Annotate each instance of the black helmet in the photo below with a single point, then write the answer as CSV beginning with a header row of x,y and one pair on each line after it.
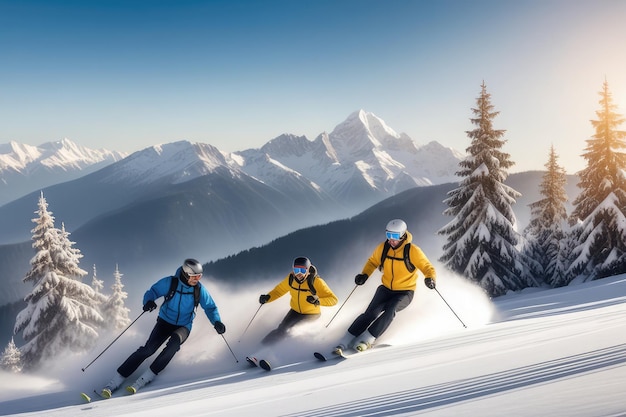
x,y
302,261
192,267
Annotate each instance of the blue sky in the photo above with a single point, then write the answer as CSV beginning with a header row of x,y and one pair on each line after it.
x,y
128,74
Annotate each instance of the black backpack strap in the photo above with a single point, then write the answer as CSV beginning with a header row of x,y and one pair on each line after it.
x,y
406,257
383,256
407,260
310,280
174,286
172,290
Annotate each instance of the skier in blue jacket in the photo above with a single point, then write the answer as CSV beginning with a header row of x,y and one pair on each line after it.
x,y
174,322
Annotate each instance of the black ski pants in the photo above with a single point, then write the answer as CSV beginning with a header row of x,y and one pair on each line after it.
x,y
160,333
291,319
381,311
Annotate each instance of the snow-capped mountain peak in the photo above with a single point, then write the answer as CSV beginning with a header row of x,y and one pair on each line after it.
x,y
16,156
361,156
172,162
64,155
25,168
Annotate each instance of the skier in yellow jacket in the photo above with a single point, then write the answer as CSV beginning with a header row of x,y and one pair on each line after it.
x,y
308,292
399,280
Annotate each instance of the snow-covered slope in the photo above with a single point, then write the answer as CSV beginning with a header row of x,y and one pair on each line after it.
x,y
559,352
26,168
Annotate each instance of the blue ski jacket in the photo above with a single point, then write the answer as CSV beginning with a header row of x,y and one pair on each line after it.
x,y
180,309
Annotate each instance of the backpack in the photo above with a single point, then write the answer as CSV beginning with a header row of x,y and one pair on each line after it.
x,y
174,286
310,279
406,259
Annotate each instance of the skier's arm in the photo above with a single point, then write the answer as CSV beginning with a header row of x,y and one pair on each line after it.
x,y
208,305
281,289
326,295
422,263
373,262
158,289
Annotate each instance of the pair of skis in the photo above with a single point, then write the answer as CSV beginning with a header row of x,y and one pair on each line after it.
x,y
344,354
263,363
97,396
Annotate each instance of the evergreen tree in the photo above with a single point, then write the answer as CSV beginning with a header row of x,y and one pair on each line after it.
x,y
114,311
66,258
599,215
96,284
545,231
60,312
481,239
11,359
45,239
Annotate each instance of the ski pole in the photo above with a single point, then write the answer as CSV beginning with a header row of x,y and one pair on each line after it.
x,y
444,300
244,332
105,349
344,303
231,351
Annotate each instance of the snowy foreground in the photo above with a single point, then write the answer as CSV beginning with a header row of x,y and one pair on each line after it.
x,y
555,352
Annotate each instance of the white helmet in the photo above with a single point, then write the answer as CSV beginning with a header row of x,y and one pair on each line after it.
x,y
396,226
192,267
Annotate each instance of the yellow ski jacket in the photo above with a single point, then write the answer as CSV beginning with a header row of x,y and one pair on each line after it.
x,y
299,291
396,276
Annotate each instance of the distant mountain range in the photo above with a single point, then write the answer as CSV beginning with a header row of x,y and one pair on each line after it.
x,y
27,168
166,202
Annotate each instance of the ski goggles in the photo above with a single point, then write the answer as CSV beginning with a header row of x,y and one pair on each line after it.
x,y
299,270
393,235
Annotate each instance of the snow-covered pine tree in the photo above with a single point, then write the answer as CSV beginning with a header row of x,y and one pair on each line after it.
x,y
60,312
599,215
114,311
548,222
99,297
96,284
67,257
11,359
45,237
481,239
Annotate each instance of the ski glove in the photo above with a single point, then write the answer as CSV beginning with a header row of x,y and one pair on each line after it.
x,y
313,299
360,279
430,283
150,305
219,327
264,298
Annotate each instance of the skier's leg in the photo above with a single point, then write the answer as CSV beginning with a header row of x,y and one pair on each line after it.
x,y
161,331
398,302
173,345
279,333
373,310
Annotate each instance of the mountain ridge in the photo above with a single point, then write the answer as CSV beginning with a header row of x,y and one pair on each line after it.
x,y
26,168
